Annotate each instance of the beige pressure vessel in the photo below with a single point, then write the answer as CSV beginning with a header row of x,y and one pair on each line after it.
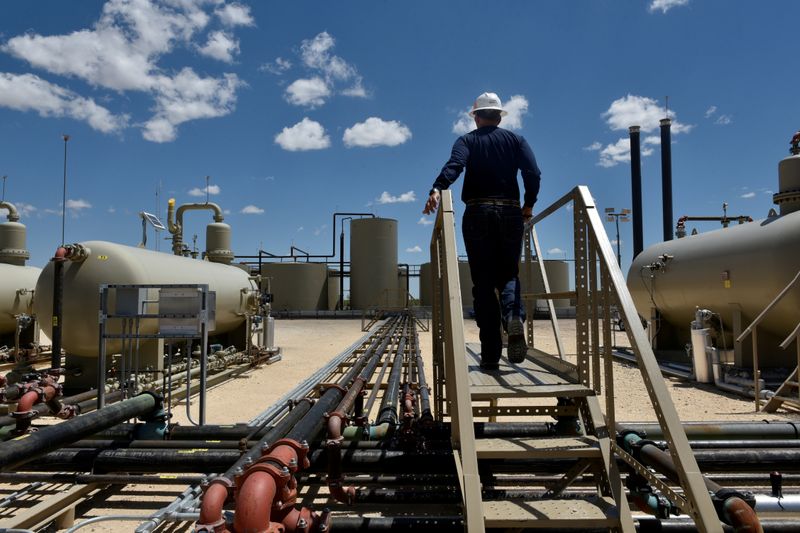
x,y
218,243
16,293
297,286
373,263
741,267
110,263
13,248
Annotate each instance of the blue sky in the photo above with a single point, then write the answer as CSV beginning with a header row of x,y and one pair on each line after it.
x,y
299,109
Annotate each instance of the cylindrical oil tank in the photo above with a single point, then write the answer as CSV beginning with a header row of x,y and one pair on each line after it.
x,y
425,284
297,286
557,279
218,243
333,289
13,248
16,293
373,263
403,288
110,263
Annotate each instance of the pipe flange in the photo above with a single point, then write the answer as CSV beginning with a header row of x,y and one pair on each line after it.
x,y
300,448
324,387
281,475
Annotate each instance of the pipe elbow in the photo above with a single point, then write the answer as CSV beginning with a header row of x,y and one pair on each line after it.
x,y
739,515
13,214
254,502
214,499
342,494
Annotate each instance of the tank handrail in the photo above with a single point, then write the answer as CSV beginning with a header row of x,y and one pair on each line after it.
x,y
768,308
13,214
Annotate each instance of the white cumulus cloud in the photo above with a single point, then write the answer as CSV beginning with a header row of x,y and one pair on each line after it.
x,y
330,71
710,111
666,5
221,46
235,14
307,92
724,120
251,210
595,146
424,221
376,132
632,110
26,92
620,151
25,209
748,195
516,106
386,198
305,135
414,249
554,251
122,50
211,190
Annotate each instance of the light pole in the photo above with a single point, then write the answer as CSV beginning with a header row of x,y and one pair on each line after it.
x,y
64,195
612,215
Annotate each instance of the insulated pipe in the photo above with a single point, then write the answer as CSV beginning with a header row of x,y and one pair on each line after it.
x,y
388,411
425,415
722,430
636,190
13,214
338,419
666,176
734,510
58,302
27,447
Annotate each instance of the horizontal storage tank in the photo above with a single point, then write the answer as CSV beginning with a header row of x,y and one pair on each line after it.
x,y
110,263
740,267
16,294
297,286
373,263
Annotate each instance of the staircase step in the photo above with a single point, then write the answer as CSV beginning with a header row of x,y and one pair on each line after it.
x,y
567,390
578,514
537,448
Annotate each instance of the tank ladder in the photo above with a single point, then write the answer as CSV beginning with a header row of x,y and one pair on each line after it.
x,y
500,468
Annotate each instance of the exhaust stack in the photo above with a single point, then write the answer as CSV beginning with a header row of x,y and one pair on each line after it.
x,y
636,190
666,176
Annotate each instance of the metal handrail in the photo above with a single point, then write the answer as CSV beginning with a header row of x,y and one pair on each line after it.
x,y
593,249
752,329
449,352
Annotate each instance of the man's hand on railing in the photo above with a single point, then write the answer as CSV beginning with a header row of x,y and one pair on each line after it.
x,y
527,212
433,203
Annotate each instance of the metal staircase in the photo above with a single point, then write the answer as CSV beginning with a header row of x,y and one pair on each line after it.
x,y
538,480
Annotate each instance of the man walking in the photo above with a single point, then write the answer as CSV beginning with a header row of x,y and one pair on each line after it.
x,y
493,223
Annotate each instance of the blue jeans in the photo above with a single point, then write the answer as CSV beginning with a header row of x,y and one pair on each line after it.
x,y
493,238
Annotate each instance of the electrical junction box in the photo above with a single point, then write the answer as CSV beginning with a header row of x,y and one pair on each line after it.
x,y
130,301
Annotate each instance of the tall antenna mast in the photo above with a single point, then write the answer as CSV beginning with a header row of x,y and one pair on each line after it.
x,y
208,178
158,215
4,189
64,194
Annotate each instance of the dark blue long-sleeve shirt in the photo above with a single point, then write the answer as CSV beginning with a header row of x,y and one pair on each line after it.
x,y
492,157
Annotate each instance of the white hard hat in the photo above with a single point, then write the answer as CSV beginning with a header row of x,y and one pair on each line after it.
x,y
489,102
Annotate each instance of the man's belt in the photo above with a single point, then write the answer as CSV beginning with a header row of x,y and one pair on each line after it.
x,y
493,201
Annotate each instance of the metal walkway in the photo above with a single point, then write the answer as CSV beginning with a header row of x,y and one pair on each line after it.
x,y
579,396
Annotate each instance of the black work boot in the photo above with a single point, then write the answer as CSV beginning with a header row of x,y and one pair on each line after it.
x,y
517,347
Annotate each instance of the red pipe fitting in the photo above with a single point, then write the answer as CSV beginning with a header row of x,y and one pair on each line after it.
x,y
215,495
25,412
741,516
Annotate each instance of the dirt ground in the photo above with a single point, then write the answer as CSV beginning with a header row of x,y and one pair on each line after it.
x,y
308,344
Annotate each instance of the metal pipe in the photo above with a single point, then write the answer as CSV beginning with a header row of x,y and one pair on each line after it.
x,y
666,176
636,190
722,430
176,228
22,450
13,214
388,410
425,414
